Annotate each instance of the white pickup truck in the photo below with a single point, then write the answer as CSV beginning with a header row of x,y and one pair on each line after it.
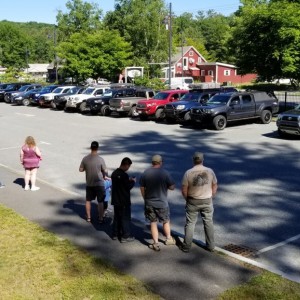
x,y
78,101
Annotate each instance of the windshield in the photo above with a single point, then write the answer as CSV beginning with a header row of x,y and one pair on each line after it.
x,y
23,88
47,89
33,91
219,99
190,97
161,96
188,80
57,90
297,107
89,91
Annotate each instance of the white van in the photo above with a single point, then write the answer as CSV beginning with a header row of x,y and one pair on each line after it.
x,y
180,83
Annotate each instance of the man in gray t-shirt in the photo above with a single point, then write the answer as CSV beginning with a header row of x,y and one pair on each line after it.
x,y
95,172
154,184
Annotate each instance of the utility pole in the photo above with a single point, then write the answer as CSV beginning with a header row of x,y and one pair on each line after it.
x,y
55,56
170,44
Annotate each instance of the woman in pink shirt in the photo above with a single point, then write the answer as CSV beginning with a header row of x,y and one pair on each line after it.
x,y
30,157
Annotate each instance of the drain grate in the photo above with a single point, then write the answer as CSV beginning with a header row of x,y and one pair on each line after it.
x,y
241,250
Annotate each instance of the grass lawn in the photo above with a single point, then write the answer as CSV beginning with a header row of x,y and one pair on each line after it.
x,y
36,264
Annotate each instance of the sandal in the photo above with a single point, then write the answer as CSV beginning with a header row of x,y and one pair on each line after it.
x,y
89,220
154,247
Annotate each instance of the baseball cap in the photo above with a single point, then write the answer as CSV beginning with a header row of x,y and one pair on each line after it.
x,y
198,156
156,158
94,145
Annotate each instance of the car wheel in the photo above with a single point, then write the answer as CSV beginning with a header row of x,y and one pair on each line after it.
x,y
53,105
133,113
105,111
82,107
159,114
266,116
187,117
26,102
219,122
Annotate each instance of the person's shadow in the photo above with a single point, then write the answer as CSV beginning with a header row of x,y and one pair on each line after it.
x,y
19,181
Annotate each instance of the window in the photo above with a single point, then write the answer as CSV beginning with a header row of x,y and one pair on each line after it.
x,y
246,99
185,63
227,72
211,72
202,72
191,53
199,60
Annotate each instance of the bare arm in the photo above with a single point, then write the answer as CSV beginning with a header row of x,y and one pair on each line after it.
x,y
184,191
38,151
214,187
21,156
142,191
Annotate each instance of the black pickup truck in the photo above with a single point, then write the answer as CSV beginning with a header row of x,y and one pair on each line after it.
x,y
227,107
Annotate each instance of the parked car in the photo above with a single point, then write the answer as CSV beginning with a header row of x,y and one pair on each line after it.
x,y
60,100
21,91
155,107
34,98
78,102
46,99
24,98
10,88
228,107
288,122
179,111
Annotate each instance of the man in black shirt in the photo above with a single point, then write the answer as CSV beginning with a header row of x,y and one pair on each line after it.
x,y
120,199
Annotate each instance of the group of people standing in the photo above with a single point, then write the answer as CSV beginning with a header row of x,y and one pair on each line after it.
x,y
199,186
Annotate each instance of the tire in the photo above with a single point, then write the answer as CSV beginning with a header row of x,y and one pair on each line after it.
x,y
82,107
26,102
266,117
219,122
159,114
53,105
105,111
187,117
133,113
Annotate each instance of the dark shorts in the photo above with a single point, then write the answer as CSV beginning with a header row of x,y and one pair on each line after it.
x,y
161,214
93,192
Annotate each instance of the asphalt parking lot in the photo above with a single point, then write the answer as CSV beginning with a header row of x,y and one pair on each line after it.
x,y
257,207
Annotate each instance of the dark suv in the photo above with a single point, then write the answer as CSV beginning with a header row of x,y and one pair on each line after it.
x,y
34,98
179,111
60,100
10,88
288,122
13,97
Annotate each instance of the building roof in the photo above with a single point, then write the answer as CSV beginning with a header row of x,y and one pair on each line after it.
x,y
177,55
217,64
38,68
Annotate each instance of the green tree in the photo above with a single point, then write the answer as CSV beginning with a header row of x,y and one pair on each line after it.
x,y
266,39
100,54
140,22
80,17
13,45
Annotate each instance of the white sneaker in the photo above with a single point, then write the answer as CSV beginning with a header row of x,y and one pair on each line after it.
x,y
26,188
2,186
35,188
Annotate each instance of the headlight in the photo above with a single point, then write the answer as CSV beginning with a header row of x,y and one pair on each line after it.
x,y
98,101
279,117
180,107
76,98
207,111
150,104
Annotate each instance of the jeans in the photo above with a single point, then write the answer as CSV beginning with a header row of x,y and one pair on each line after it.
x,y
205,208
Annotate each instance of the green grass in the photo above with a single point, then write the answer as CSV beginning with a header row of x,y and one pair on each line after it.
x,y
266,286
35,264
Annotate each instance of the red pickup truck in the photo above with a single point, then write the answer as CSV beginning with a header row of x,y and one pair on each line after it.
x,y
155,106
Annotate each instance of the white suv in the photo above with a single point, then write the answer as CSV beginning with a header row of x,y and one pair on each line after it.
x,y
78,102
